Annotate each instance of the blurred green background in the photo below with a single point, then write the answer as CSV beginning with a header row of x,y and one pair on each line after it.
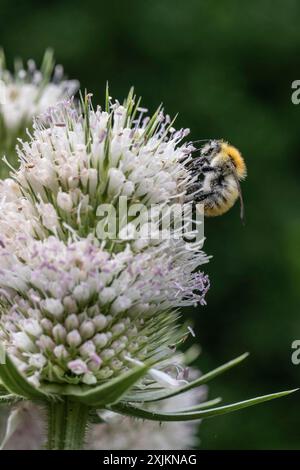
x,y
227,67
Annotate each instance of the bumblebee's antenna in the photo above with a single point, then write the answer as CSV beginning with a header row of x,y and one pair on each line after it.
x,y
201,140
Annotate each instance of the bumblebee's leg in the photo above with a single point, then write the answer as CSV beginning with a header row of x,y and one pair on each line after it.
x,y
197,163
210,169
202,196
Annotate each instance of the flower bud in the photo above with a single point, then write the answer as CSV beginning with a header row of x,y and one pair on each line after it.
x,y
107,295
37,360
46,343
107,354
118,329
128,188
23,342
100,322
100,340
93,181
82,293
121,304
105,373
70,304
87,329
47,325
78,367
89,379
48,215
116,180
87,349
74,338
32,327
53,306
59,333
64,201
71,322
94,362
116,364
60,352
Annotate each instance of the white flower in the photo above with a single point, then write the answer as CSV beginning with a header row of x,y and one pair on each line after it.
x,y
26,93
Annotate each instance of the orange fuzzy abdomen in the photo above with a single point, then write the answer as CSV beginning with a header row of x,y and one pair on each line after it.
x,y
222,203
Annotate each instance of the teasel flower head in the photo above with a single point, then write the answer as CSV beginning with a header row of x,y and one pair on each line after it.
x,y
89,316
25,93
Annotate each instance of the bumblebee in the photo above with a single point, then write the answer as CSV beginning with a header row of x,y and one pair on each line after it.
x,y
218,172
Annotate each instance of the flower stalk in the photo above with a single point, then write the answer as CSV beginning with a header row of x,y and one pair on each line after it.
x,y
67,423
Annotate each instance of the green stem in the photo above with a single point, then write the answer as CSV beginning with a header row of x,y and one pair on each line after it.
x,y
67,422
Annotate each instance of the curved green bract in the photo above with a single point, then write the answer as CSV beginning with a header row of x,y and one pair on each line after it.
x,y
201,406
133,411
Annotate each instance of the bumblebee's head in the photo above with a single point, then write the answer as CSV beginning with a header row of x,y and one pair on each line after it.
x,y
211,149
221,153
